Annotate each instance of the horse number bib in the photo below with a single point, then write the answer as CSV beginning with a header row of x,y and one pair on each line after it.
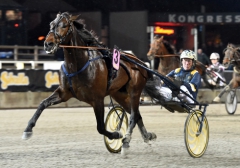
x,y
116,59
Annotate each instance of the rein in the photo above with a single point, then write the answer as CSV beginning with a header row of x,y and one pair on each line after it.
x,y
83,47
100,48
166,55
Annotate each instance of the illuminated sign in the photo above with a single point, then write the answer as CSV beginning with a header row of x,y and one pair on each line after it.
x,y
40,38
207,18
159,30
51,79
9,79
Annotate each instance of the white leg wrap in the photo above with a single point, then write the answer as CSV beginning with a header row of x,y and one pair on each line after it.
x,y
165,92
184,97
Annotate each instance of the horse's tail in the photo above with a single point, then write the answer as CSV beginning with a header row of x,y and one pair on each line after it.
x,y
151,90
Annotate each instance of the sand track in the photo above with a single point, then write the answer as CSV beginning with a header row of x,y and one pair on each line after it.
x,y
67,137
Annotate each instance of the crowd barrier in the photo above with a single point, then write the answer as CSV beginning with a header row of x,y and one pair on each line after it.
x,y
33,99
26,88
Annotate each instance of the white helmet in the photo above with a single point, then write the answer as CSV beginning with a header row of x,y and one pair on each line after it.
x,y
188,54
214,56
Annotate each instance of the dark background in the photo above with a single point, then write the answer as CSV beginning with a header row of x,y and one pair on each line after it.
x,y
104,12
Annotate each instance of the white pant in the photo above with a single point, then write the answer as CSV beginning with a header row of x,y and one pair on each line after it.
x,y
167,94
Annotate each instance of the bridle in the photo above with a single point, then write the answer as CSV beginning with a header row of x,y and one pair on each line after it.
x,y
54,25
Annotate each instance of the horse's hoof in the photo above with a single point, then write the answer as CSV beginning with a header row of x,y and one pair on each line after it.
x,y
120,135
26,135
216,99
153,136
125,149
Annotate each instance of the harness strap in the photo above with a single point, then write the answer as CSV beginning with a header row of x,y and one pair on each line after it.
x,y
69,76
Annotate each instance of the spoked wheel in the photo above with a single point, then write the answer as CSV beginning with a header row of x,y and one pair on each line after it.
x,y
231,102
112,123
196,142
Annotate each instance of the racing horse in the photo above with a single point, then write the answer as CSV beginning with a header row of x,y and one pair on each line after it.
x,y
232,56
170,60
85,75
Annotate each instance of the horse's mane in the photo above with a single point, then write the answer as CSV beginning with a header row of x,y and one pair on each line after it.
x,y
171,49
233,45
89,37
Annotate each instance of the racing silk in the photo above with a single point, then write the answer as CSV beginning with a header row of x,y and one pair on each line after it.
x,y
217,67
190,78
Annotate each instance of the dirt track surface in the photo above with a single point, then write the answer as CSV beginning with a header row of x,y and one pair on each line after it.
x,y
67,137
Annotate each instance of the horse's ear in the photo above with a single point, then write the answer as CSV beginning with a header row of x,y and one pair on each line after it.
x,y
59,13
162,37
73,18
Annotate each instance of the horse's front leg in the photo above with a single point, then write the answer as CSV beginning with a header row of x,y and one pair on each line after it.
x,y
98,107
51,100
226,88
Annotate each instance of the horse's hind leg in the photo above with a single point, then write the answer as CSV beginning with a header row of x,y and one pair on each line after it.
x,y
226,88
135,118
51,100
147,136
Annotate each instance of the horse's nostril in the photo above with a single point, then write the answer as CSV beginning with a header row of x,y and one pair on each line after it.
x,y
48,44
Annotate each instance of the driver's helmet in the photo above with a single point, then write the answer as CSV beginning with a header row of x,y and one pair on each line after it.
x,y
215,56
188,54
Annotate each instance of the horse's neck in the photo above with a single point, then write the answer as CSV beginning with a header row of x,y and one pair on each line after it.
x,y
165,52
169,62
75,58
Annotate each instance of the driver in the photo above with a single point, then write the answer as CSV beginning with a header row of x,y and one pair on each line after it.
x,y
186,77
218,69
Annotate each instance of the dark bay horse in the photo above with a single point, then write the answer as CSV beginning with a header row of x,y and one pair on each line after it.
x,y
170,60
85,75
232,56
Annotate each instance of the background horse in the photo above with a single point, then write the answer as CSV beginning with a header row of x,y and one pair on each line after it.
x,y
170,60
232,56
86,76
161,49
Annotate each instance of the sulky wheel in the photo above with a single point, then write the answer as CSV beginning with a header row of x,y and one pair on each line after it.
x,y
112,123
196,143
231,102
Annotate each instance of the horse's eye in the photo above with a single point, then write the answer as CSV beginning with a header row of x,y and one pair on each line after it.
x,y
62,25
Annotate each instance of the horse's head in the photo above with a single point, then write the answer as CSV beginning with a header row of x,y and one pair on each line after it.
x,y
232,54
156,48
60,30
